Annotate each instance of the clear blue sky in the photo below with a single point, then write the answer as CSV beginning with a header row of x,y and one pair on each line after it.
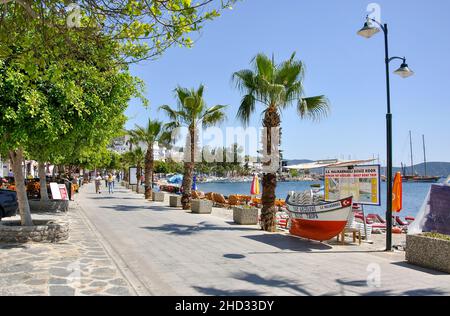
x,y
347,68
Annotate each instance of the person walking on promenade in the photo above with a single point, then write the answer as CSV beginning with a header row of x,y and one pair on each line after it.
x,y
98,183
110,180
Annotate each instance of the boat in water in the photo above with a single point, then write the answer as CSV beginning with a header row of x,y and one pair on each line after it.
x,y
319,220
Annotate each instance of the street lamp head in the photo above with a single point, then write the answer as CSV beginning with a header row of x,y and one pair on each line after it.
x,y
368,30
404,71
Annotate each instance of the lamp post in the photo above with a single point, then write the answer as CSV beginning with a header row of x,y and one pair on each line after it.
x,y
368,31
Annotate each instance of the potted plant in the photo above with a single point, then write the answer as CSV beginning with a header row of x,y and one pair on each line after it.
x,y
201,206
245,215
429,250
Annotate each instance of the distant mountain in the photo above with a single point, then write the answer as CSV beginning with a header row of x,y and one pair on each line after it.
x,y
433,169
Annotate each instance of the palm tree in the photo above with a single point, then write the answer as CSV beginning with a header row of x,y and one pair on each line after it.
x,y
276,87
191,112
151,134
138,158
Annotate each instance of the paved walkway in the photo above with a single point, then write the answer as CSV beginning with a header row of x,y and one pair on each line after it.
x,y
78,266
164,251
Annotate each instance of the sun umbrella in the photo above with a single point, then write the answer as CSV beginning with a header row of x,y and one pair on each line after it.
x,y
397,199
255,190
194,183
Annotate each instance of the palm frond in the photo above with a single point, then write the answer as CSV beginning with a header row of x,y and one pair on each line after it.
x,y
314,108
246,108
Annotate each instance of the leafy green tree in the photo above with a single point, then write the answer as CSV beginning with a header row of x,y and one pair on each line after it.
x,y
275,86
193,113
150,135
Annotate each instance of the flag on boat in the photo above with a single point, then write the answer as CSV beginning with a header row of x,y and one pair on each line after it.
x,y
255,190
397,199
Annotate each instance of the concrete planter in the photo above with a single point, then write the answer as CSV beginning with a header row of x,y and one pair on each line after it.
x,y
133,187
428,252
50,206
158,196
245,216
42,231
201,206
175,201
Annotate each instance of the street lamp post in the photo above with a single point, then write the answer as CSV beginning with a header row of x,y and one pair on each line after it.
x,y
368,31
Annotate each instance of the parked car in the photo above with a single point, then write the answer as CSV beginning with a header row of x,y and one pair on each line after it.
x,y
8,203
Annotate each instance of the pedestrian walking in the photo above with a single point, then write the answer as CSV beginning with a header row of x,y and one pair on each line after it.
x,y
110,180
98,183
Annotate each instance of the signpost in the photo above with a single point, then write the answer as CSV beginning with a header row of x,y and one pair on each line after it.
x,y
361,182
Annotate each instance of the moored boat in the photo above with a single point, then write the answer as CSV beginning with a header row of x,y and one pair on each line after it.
x,y
319,222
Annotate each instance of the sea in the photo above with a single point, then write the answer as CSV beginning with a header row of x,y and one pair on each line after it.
x,y
414,194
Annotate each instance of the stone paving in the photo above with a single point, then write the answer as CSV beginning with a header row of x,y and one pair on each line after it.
x,y
79,266
173,252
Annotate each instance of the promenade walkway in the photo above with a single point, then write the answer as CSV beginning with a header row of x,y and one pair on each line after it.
x,y
166,251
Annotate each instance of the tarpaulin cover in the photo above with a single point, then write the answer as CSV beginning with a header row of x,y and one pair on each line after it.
x,y
434,215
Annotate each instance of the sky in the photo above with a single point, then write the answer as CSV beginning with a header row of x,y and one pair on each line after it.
x,y
346,68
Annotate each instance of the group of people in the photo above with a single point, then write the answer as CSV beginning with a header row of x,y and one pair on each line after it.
x,y
109,179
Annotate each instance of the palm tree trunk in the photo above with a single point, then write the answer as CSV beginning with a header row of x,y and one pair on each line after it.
x,y
42,181
269,181
16,157
138,178
188,172
148,172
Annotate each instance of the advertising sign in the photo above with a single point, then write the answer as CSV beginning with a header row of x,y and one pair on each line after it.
x,y
132,175
361,182
56,194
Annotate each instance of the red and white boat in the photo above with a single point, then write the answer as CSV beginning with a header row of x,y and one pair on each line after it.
x,y
319,222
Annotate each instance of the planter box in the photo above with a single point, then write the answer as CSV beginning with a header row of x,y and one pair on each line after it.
x,y
201,206
50,206
245,216
133,187
175,201
158,196
428,252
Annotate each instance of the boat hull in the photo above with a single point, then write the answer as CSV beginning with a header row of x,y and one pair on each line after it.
x,y
319,222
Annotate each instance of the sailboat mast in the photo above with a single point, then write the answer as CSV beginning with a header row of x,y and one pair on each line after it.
x,y
424,154
410,145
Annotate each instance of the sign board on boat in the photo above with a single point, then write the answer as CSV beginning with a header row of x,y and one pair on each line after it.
x,y
361,182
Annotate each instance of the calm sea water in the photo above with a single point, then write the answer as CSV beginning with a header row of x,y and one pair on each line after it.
x,y
414,194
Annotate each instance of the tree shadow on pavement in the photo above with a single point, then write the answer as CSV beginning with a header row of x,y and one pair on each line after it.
x,y
179,229
363,283
220,292
276,282
284,242
128,208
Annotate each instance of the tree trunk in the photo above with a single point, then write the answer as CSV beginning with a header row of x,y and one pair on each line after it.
x,y
43,181
138,178
149,172
16,157
188,172
269,181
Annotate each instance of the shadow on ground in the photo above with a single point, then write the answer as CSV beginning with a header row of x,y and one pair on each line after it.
x,y
284,242
405,264
179,229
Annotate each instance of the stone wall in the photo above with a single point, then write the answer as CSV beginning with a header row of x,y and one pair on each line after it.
x,y
50,206
43,231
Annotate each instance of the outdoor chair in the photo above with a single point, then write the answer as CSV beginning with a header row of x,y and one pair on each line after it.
x,y
219,200
351,227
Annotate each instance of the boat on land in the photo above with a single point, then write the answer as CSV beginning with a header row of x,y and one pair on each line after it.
x,y
317,221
